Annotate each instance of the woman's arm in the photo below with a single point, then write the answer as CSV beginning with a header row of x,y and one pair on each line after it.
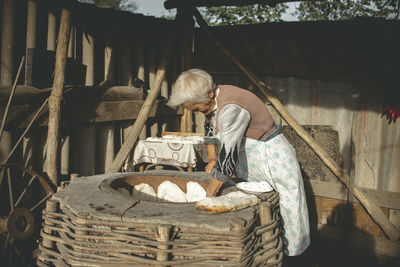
x,y
232,123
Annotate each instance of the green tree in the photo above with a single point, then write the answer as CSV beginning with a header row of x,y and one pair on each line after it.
x,y
126,5
304,11
346,9
107,3
244,15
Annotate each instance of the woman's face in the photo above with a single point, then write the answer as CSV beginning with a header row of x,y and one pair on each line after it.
x,y
205,108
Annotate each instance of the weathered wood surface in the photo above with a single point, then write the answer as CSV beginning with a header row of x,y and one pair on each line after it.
x,y
83,104
384,199
118,110
144,111
372,208
94,196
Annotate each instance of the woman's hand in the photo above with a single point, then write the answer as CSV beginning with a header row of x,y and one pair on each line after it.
x,y
213,187
212,157
210,166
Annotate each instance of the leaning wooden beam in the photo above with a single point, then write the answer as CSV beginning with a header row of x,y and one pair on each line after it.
x,y
53,135
372,208
143,114
170,4
3,122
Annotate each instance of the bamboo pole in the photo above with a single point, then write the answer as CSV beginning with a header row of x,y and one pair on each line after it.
x,y
144,112
53,135
371,207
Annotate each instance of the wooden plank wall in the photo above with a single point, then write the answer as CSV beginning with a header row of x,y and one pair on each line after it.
x,y
107,47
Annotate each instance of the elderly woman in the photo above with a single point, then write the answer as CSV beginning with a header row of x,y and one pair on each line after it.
x,y
250,146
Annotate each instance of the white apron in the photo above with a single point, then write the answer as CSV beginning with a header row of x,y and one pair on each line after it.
x,y
275,161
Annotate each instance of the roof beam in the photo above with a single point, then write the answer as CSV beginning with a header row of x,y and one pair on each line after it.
x,y
170,4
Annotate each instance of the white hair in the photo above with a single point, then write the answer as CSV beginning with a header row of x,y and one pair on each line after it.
x,y
191,86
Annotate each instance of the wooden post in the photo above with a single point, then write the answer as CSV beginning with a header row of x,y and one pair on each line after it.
x,y
185,24
152,63
7,44
87,153
109,44
371,207
52,27
144,112
65,154
53,136
125,58
31,24
163,235
139,22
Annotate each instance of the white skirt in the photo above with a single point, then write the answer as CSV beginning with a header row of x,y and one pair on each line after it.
x,y
275,161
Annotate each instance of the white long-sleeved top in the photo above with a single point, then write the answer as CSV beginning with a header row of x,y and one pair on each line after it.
x,y
233,121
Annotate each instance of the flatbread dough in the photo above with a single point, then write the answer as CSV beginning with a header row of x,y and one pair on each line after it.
x,y
143,190
232,201
194,192
170,192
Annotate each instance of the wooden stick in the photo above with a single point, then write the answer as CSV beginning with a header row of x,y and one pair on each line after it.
x,y
265,218
53,135
20,139
143,114
24,133
372,208
11,97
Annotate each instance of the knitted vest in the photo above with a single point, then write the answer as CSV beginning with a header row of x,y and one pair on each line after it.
x,y
261,122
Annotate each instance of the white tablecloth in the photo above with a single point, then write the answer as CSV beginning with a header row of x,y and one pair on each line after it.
x,y
171,150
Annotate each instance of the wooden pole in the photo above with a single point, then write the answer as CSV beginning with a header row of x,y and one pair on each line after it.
x,y
53,135
372,208
3,122
185,24
144,112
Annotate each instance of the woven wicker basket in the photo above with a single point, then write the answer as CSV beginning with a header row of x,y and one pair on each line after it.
x,y
89,223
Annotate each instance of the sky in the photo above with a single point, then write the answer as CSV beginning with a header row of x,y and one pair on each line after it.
x,y
153,8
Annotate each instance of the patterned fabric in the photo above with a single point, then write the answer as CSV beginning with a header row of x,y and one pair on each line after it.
x,y
233,121
180,153
275,161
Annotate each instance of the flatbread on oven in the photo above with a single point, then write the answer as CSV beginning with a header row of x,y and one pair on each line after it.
x,y
144,190
194,192
170,192
232,201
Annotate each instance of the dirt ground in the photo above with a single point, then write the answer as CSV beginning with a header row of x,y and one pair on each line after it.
x,y
323,253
